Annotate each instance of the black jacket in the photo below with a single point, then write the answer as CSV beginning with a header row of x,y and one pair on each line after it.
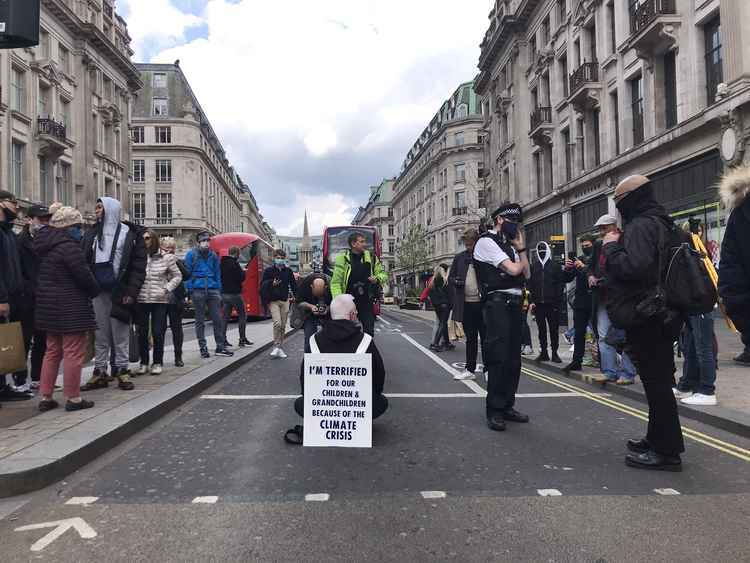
x,y
546,283
29,262
132,272
280,292
457,282
440,295
232,276
582,297
11,278
343,337
734,267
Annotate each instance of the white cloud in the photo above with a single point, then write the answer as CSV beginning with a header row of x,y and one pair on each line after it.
x,y
326,210
342,86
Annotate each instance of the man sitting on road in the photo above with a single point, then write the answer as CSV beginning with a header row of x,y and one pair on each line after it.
x,y
342,335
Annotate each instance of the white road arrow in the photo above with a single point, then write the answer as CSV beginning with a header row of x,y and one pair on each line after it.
x,y
61,526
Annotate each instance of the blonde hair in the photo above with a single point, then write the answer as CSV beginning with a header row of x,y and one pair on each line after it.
x,y
167,242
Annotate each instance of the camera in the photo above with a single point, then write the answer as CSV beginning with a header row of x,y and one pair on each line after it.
x,y
321,309
366,291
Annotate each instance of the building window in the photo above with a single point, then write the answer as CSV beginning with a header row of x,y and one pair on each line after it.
x,y
538,173
138,205
63,57
44,44
612,28
160,80
163,208
17,167
532,48
714,71
163,171
636,104
391,247
562,11
161,107
565,79
462,111
65,189
460,170
390,230
568,159
459,138
581,143
139,171
65,116
18,87
670,89
597,144
43,103
108,93
615,103
139,135
45,186
544,31
163,135
459,200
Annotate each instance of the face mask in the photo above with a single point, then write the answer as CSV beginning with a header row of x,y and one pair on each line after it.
x,y
75,232
35,228
203,245
279,262
510,230
9,214
587,250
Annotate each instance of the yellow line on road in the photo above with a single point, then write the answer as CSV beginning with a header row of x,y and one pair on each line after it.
x,y
694,435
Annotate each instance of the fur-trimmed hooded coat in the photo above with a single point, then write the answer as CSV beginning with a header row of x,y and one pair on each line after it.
x,y
734,266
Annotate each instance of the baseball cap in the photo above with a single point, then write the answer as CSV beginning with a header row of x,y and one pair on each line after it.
x,y
37,210
604,220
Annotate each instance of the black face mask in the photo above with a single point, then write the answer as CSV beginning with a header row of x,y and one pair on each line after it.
x,y
10,216
587,250
510,230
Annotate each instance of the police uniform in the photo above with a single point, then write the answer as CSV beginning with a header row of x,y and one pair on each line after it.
x,y
501,310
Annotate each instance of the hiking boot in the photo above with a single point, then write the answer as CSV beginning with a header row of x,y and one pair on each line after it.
x,y
98,380
123,381
47,405
79,405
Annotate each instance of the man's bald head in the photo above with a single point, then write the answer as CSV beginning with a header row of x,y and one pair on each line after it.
x,y
319,287
343,308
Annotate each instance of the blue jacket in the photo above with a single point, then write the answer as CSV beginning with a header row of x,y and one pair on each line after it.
x,y
205,273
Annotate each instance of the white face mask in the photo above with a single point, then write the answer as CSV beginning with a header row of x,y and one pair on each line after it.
x,y
203,244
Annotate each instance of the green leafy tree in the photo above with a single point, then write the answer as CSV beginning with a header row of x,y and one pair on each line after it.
x,y
413,251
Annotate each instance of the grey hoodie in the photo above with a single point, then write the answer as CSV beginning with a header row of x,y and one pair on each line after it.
x,y
112,216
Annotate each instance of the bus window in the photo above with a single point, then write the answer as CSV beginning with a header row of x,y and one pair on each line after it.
x,y
247,253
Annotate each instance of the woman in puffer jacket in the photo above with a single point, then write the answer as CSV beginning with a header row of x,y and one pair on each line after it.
x,y
162,278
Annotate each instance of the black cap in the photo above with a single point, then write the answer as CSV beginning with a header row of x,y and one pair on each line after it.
x,y
511,211
39,211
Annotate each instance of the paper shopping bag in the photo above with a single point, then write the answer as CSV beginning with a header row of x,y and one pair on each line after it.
x,y
12,351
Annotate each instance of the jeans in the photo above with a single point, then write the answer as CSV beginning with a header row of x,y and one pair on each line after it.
x,y
208,299
502,352
699,367
474,329
234,301
174,316
548,314
312,323
442,312
112,335
151,316
608,355
69,349
279,314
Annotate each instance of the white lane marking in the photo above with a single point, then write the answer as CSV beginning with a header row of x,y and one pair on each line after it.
x,y
382,318
549,493
82,500
61,526
483,393
469,383
317,497
205,500
433,494
666,492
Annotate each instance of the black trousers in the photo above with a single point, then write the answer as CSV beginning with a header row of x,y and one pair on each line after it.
x,y
366,316
473,329
650,346
153,315
24,314
502,350
548,315
442,312
174,316
581,319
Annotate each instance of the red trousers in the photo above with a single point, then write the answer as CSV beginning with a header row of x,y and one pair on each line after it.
x,y
72,349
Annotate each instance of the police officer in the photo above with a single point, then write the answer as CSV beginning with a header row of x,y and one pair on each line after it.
x,y
503,267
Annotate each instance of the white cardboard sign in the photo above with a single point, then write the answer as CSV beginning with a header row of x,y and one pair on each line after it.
x,y
338,400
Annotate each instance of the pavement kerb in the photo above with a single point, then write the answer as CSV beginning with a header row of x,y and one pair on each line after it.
x,y
730,420
56,457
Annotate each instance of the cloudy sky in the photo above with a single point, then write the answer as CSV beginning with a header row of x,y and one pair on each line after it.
x,y
314,100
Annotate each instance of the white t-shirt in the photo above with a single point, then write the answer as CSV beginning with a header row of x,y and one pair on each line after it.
x,y
487,251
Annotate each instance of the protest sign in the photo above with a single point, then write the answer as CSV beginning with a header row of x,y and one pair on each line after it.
x,y
338,400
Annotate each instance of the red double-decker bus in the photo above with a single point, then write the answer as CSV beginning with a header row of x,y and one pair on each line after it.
x,y
255,255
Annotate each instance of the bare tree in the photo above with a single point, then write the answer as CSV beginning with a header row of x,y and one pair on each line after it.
x,y
413,251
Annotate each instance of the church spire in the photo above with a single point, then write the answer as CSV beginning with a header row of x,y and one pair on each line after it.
x,y
306,254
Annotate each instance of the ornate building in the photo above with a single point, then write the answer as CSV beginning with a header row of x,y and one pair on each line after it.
x,y
65,105
578,94
378,213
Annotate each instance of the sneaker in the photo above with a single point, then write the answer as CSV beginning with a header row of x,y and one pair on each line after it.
x,y
47,405
282,354
178,362
245,342
463,376
700,399
78,405
681,394
275,352
228,344
572,349
142,370
34,385
204,353
743,358
156,369
123,382
223,352
567,338
98,380
24,388
625,380
527,351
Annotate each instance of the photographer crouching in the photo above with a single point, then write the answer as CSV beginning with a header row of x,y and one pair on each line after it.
x,y
359,273
314,296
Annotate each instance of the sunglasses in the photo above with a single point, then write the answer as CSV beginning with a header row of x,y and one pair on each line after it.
x,y
146,238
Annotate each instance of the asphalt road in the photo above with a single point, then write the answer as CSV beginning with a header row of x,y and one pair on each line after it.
x,y
214,481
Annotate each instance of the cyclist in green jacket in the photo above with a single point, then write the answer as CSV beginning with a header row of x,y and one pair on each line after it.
x,y
358,272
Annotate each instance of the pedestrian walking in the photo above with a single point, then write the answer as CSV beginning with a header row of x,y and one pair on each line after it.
x,y
582,303
440,297
64,310
35,340
546,291
632,267
11,282
232,278
204,287
116,253
162,278
503,268
359,272
176,304
314,298
467,306
278,286
734,267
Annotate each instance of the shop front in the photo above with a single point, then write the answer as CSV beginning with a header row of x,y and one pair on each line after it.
x,y
583,217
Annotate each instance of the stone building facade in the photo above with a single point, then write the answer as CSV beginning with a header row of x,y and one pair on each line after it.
x,y
65,106
378,213
181,179
442,181
579,94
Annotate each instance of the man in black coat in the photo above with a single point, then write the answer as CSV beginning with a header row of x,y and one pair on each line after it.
x,y
734,267
232,278
546,291
632,276
578,269
314,298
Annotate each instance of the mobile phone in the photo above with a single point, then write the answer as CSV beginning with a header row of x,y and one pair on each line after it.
x,y
572,255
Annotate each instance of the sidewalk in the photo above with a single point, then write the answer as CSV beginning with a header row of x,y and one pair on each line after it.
x,y
732,379
41,448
